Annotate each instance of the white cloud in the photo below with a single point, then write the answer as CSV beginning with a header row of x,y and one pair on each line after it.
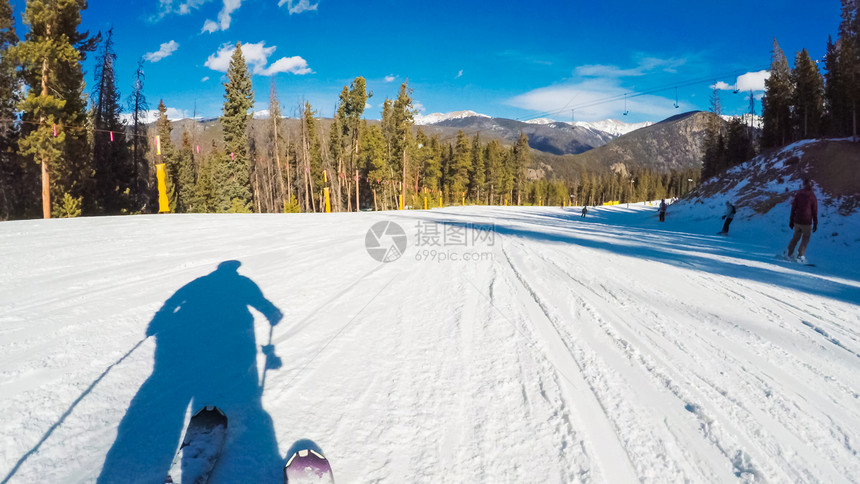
x,y
753,81
298,6
418,107
644,66
166,50
209,27
591,105
390,78
601,70
204,79
367,105
166,7
224,17
257,57
293,65
459,74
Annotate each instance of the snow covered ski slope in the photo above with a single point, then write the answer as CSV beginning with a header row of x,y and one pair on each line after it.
x,y
521,345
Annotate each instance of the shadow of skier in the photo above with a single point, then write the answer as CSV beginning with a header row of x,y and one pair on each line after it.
x,y
205,355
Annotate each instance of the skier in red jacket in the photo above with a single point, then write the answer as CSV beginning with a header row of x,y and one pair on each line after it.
x,y
803,219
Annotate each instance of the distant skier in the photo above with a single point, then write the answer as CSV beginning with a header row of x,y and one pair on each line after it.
x,y
730,214
803,219
662,210
584,211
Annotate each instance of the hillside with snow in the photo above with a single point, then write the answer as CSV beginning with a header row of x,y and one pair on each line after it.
x,y
614,126
436,118
507,344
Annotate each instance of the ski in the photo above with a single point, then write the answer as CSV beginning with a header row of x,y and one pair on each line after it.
x,y
200,449
308,466
782,258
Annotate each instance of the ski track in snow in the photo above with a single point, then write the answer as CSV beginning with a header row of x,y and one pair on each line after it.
x,y
596,350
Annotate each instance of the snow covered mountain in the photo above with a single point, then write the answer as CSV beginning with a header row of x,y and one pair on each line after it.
x,y
436,118
614,126
541,121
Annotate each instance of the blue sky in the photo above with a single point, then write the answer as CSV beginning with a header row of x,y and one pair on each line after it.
x,y
503,58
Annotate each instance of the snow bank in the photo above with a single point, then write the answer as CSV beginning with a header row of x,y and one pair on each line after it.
x,y
523,345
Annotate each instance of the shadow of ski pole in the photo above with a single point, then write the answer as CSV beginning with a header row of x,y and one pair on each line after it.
x,y
67,413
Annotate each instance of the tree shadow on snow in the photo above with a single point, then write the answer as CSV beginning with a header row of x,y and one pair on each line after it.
x,y
205,355
671,248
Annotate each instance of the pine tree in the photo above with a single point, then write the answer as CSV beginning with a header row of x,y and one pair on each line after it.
x,y
350,110
522,161
403,118
285,195
477,174
233,175
494,157
714,149
849,65
51,58
431,171
186,177
114,172
311,159
776,103
834,93
739,146
461,163
139,141
14,176
205,193
808,97
372,157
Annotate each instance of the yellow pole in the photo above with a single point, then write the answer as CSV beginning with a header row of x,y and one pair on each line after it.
x,y
163,203
464,201
425,203
325,193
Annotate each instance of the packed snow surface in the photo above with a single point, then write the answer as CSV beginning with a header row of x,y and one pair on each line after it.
x,y
521,345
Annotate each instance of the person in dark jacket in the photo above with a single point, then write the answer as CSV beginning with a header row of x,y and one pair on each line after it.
x,y
803,219
584,211
662,210
728,217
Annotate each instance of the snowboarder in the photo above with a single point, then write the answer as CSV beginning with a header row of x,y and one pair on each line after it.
x,y
663,207
730,214
803,219
584,211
